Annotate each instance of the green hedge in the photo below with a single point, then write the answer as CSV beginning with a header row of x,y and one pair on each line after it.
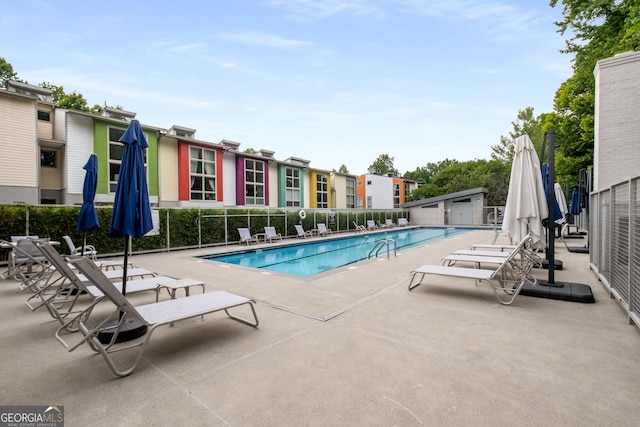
x,y
179,227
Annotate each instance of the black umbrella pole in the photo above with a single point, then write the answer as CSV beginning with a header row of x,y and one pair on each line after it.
x,y
551,224
125,266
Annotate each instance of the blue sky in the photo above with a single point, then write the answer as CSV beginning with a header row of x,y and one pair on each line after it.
x,y
331,81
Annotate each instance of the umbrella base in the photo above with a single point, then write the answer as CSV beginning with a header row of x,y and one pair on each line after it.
x,y
133,328
557,264
563,291
578,249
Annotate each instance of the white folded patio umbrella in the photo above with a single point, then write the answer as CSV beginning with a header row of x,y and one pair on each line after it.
x,y
526,205
562,200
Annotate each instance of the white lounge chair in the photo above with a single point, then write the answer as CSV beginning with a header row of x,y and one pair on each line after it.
x,y
301,231
506,247
88,250
27,264
389,223
359,228
506,278
371,225
323,230
473,252
403,222
61,297
477,260
246,237
151,316
271,234
522,250
497,234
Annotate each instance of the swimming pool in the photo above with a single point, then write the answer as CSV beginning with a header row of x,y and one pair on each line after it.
x,y
309,258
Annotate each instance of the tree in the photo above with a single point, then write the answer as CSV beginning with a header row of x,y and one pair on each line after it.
x,y
425,191
250,151
343,169
383,165
525,123
425,174
71,101
491,174
600,29
6,72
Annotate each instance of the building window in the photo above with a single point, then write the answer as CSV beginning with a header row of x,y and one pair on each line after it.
x,y
45,116
202,173
396,195
292,187
351,194
116,149
369,202
407,191
322,191
253,182
48,159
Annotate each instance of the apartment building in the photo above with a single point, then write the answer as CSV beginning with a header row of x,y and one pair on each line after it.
x,y
45,148
382,192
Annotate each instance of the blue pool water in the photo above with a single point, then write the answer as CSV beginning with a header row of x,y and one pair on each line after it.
x,y
309,258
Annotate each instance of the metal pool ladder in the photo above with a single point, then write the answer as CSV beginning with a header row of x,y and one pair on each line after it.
x,y
381,244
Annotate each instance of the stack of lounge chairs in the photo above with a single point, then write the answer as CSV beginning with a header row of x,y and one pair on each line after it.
x,y
71,288
505,268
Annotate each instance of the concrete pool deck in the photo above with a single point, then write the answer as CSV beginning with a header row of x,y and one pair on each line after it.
x,y
350,347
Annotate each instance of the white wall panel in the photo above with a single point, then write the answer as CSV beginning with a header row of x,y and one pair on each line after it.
x,y
168,168
79,148
18,136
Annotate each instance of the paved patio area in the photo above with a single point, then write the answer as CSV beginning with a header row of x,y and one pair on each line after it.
x,y
352,347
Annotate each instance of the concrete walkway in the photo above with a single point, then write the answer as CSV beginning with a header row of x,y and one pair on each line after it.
x,y
352,347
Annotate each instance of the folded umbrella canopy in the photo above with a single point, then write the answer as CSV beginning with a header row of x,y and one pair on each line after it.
x,y
557,212
88,217
526,205
131,215
560,200
574,206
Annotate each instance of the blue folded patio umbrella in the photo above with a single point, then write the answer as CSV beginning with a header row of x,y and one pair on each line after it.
x,y
88,217
548,187
131,215
574,206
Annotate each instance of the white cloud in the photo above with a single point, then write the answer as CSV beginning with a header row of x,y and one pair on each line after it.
x,y
316,10
255,38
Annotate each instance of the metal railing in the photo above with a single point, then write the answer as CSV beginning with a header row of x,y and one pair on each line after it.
x,y
614,242
188,228
492,215
381,244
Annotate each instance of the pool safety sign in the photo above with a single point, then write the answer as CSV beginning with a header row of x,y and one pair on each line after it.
x,y
32,416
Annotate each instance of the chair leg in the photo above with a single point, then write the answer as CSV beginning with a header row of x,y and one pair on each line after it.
x,y
253,323
415,285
